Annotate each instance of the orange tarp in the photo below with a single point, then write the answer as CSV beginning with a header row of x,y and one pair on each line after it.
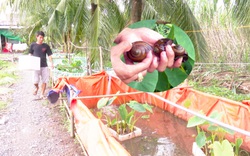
x,y
94,135
234,113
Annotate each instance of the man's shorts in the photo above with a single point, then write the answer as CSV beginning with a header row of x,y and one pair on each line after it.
x,y
43,73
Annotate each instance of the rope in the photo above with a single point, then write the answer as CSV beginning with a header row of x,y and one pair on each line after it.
x,y
221,63
120,94
110,95
79,47
202,116
201,30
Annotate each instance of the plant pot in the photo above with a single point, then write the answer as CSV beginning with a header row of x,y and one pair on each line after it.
x,y
197,151
121,137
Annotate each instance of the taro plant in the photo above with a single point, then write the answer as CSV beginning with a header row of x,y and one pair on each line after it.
x,y
213,142
125,118
106,102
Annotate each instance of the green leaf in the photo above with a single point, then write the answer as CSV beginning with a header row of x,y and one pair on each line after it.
x,y
200,139
224,148
148,84
171,33
144,23
229,131
99,114
145,117
102,102
212,128
187,103
195,121
188,66
148,107
123,111
113,122
129,117
136,106
238,142
163,83
175,76
61,6
215,115
183,39
111,100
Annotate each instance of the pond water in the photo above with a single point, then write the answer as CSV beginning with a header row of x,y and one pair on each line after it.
x,y
163,134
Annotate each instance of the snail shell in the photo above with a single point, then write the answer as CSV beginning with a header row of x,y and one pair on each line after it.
x,y
159,46
139,51
179,51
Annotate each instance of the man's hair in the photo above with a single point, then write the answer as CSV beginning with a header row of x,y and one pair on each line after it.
x,y
40,33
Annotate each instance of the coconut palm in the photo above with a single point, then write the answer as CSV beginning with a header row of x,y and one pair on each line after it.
x,y
95,23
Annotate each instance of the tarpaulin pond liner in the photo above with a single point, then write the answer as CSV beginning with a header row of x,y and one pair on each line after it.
x,y
98,141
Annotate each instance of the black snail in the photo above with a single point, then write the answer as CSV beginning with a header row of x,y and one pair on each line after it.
x,y
139,50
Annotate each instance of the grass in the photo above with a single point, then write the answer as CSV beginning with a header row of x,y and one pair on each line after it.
x,y
220,80
220,91
65,119
3,105
7,73
7,77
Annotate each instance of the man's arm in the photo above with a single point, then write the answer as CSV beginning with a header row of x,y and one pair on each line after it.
x,y
31,49
51,61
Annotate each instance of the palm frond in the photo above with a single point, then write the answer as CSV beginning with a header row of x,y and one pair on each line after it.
x,y
241,11
178,12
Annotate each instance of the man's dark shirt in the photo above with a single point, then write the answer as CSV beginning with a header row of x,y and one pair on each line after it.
x,y
40,50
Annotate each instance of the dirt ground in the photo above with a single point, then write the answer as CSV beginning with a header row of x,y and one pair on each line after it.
x,y
30,127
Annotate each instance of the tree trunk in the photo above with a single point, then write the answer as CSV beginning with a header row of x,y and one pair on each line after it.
x,y
93,8
136,11
65,49
89,69
91,52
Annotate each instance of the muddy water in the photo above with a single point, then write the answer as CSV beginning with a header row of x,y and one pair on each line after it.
x,y
163,134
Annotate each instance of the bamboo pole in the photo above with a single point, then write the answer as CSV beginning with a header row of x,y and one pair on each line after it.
x,y
101,59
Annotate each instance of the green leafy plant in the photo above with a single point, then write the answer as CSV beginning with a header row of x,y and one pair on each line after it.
x,y
125,118
217,90
214,142
7,77
75,66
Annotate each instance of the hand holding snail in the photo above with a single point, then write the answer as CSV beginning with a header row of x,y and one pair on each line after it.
x,y
139,50
129,71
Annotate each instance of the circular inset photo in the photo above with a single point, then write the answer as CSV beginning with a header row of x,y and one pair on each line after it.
x,y
174,41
